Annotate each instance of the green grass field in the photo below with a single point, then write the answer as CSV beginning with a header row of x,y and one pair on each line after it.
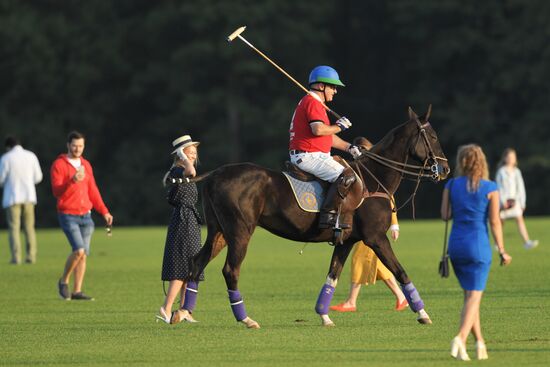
x,y
280,288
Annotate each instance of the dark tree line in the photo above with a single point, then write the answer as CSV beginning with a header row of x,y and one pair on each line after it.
x,y
133,75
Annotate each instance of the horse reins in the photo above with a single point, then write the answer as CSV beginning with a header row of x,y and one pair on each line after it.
x,y
404,167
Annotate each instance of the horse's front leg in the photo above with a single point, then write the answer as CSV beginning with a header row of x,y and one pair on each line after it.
x,y
339,256
381,246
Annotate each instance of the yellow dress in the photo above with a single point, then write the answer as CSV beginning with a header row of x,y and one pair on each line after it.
x,y
366,268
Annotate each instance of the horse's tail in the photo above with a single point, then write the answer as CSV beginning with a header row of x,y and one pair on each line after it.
x,y
207,200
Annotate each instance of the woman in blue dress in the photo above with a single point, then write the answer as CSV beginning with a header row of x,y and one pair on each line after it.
x,y
471,199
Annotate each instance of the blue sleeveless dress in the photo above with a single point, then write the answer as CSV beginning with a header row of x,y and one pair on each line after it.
x,y
469,246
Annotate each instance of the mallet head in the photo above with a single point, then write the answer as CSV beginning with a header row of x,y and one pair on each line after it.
x,y
234,35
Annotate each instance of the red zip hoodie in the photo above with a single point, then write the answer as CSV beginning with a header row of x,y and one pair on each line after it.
x,y
76,198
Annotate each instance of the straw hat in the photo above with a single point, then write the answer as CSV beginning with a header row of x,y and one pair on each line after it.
x,y
183,142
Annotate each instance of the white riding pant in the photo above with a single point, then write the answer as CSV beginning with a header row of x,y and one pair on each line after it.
x,y
319,164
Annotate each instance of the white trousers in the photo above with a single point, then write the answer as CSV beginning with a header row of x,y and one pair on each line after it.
x,y
319,164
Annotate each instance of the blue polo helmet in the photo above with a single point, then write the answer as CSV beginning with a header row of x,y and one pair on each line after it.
x,y
325,74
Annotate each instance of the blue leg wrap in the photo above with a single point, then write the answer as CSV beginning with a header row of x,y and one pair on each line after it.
x,y
324,299
191,293
237,305
412,296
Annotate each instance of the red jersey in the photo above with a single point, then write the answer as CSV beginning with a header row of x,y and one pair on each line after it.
x,y
301,138
76,198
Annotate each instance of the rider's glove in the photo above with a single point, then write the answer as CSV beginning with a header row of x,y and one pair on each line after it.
x,y
181,154
354,151
343,123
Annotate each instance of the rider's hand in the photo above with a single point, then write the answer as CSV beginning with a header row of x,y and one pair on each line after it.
x,y
181,154
354,151
343,123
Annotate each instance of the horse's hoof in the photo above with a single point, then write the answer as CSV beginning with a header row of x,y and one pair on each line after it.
x,y
423,317
326,321
251,324
424,320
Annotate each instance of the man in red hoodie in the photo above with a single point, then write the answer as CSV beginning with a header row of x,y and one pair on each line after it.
x,y
74,186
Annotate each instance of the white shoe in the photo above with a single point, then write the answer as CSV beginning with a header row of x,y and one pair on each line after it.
x,y
458,350
481,351
163,316
531,244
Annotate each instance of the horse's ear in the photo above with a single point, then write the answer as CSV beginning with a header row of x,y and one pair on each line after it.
x,y
429,113
412,114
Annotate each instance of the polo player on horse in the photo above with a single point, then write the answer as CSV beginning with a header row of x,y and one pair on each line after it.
x,y
311,138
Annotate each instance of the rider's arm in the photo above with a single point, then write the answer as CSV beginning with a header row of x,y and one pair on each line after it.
x,y
339,143
320,129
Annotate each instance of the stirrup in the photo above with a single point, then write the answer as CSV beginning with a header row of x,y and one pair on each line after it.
x,y
328,219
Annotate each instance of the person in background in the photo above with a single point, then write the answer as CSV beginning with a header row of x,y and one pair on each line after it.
x,y
366,268
75,188
183,239
512,194
470,199
19,173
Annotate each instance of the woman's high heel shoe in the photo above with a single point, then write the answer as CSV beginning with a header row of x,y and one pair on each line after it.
x,y
163,316
458,350
481,350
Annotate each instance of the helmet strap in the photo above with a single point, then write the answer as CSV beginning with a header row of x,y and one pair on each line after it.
x,y
320,90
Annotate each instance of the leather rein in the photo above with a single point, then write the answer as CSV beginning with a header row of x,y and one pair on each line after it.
x,y
418,172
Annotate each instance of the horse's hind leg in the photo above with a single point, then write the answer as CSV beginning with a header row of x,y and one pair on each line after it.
x,y
236,251
339,256
212,246
214,243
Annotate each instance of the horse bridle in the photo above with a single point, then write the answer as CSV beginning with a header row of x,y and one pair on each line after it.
x,y
429,168
431,157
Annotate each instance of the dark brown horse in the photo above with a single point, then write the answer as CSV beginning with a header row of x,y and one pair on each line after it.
x,y
239,197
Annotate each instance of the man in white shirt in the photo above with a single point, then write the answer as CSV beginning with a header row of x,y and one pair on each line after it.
x,y
19,173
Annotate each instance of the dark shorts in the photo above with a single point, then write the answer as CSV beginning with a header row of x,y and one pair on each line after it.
x,y
78,229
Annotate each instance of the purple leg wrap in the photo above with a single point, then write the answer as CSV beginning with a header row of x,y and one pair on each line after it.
x,y
323,302
237,304
191,293
412,296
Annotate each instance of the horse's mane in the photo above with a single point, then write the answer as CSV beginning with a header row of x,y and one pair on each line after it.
x,y
386,140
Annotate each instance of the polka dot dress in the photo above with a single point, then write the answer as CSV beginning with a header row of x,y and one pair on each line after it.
x,y
183,240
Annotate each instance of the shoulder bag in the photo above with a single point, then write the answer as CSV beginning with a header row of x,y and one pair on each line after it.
x,y
444,262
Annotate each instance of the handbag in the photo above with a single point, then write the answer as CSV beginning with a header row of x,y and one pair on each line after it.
x,y
444,262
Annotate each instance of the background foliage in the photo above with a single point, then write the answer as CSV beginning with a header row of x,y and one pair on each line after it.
x,y
134,75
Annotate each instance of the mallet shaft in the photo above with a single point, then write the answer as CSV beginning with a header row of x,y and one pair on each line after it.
x,y
273,63
237,34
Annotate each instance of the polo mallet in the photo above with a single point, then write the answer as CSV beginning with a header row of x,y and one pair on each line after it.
x,y
237,34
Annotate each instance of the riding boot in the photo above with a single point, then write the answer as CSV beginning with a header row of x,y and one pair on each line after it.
x,y
335,196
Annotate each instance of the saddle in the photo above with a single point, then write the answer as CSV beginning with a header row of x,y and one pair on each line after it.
x,y
298,174
352,200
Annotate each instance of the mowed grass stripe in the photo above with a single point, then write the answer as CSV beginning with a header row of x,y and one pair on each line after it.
x,y
280,288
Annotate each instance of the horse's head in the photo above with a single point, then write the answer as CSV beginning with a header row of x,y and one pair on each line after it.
x,y
425,146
